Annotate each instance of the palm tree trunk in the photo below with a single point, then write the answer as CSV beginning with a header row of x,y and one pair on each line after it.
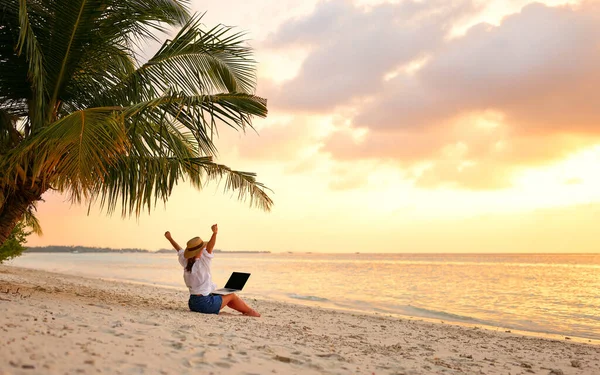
x,y
15,205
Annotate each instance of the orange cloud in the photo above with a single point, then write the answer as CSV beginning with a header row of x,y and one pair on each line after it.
x,y
537,72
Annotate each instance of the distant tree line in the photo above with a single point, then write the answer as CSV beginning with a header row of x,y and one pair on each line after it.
x,y
80,249
85,249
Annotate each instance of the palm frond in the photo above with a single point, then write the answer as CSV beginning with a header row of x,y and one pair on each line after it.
x,y
97,38
104,66
195,62
31,221
243,182
135,20
14,85
9,135
220,57
72,154
199,114
138,183
73,30
29,44
85,30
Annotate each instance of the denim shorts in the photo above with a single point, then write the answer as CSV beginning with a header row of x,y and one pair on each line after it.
x,y
205,304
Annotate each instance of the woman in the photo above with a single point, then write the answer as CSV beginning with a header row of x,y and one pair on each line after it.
x,y
196,260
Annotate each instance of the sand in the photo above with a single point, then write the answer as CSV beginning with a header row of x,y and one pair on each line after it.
x,y
60,324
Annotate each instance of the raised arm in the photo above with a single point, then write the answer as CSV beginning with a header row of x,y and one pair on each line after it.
x,y
213,239
172,241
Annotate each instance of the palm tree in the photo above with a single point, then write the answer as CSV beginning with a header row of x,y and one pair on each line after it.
x,y
80,115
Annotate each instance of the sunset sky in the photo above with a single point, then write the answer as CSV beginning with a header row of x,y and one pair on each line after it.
x,y
402,126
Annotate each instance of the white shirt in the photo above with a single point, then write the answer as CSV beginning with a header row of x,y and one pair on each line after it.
x,y
199,281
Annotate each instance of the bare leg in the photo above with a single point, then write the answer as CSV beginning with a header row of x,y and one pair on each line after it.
x,y
236,303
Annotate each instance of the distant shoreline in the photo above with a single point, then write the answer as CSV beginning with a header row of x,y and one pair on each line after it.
x,y
84,250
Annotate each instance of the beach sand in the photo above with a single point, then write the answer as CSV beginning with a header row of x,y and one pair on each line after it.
x,y
60,324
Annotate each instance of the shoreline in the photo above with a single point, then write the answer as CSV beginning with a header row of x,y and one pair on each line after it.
x,y
331,305
112,326
310,304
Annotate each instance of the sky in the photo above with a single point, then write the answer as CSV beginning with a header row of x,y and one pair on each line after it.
x,y
401,126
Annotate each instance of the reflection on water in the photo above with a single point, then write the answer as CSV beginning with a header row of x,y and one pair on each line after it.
x,y
539,292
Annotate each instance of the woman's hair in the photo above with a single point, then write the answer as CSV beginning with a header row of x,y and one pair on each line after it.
x,y
190,264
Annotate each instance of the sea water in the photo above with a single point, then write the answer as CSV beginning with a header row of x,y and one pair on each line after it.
x,y
543,293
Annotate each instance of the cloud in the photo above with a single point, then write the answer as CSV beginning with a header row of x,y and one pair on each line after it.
x,y
539,67
536,74
475,151
353,48
516,95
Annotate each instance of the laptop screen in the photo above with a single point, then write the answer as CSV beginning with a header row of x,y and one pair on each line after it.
x,y
237,280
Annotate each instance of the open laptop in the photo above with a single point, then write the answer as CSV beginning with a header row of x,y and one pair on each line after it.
x,y
236,283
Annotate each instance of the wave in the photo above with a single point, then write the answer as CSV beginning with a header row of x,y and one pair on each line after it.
x,y
441,314
308,298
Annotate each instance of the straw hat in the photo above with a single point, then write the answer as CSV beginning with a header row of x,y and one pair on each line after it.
x,y
194,247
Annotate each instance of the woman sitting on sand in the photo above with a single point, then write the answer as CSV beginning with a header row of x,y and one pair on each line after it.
x,y
196,260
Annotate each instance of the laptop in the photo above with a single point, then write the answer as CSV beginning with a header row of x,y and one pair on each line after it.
x,y
236,283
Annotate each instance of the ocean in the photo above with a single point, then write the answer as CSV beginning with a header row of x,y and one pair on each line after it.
x,y
554,294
